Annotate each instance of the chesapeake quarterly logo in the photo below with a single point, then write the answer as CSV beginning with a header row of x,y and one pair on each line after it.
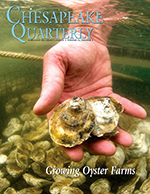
x,y
48,18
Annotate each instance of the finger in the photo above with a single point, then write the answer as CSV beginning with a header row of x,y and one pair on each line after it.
x,y
130,108
98,146
75,153
53,81
49,114
122,138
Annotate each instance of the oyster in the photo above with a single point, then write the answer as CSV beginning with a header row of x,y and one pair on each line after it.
x,y
30,190
36,135
101,185
76,119
78,178
9,107
145,187
34,181
115,160
22,155
56,158
13,126
106,111
92,161
4,184
15,139
137,192
38,155
11,159
139,146
71,190
80,164
58,186
14,170
6,147
72,122
128,187
3,158
3,171
141,171
39,168
45,145
10,190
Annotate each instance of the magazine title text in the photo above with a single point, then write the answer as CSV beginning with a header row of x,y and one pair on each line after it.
x,y
54,18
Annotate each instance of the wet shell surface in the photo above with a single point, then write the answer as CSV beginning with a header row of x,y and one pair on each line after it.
x,y
106,111
76,119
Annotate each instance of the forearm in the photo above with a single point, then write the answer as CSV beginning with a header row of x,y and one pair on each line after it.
x,y
78,3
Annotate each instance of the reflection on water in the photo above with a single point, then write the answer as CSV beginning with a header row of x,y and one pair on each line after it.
x,y
23,163
131,32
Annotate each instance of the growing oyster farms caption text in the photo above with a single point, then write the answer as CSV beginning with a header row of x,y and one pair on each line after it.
x,y
86,170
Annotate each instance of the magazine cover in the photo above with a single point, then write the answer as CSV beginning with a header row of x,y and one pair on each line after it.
x,y
74,97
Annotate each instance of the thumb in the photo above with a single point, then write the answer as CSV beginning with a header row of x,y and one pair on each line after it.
x,y
53,81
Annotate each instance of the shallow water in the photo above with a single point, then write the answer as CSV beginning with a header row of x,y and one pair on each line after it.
x,y
129,47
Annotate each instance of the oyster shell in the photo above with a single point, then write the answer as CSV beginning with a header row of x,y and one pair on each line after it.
x,y
11,159
4,184
92,161
36,135
56,158
101,185
145,187
45,145
3,158
139,146
137,192
39,168
80,164
34,181
77,177
10,190
9,107
38,155
15,139
3,172
106,111
22,155
72,122
57,186
141,171
6,147
30,190
71,190
14,170
129,186
76,119
115,160
12,127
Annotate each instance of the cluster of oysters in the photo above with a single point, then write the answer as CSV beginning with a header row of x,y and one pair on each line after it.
x,y
26,150
76,119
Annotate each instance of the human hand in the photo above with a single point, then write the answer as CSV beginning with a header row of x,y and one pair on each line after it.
x,y
82,68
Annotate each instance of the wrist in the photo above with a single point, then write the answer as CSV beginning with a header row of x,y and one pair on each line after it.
x,y
93,18
91,24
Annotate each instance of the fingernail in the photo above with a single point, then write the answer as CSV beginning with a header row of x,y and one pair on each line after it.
x,y
37,103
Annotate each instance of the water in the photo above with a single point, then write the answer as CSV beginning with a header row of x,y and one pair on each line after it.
x,y
128,44
129,38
